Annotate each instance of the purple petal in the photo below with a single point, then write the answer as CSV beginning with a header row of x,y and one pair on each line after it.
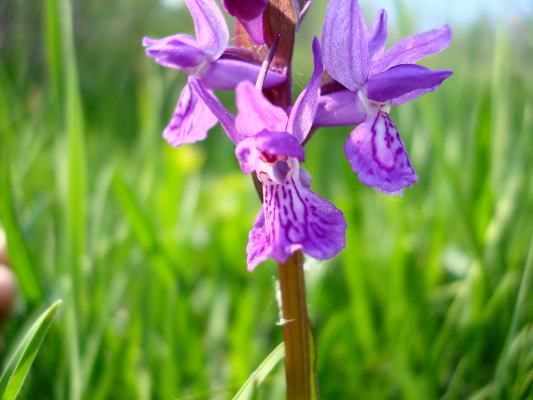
x,y
294,218
413,48
376,152
341,108
403,79
191,120
226,74
305,177
415,94
254,27
249,13
344,43
226,119
244,9
176,51
269,143
304,110
210,27
377,35
180,37
256,113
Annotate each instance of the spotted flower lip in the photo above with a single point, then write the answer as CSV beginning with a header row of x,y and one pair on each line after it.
x,y
268,140
202,57
373,80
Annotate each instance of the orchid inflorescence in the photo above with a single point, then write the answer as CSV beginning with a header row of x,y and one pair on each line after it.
x,y
355,82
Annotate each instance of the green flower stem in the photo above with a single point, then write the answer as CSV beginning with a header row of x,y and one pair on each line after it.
x,y
299,372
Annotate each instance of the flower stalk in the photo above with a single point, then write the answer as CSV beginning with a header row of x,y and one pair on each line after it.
x,y
297,334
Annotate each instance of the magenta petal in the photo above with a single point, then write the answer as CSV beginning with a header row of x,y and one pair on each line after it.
x,y
226,119
191,120
413,48
341,108
294,218
344,43
403,79
377,35
256,113
270,143
376,152
210,27
304,110
174,51
225,74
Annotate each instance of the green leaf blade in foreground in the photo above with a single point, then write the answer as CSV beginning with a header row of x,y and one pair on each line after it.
x,y
260,373
13,377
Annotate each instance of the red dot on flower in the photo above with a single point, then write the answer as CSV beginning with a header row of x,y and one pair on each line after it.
x,y
269,158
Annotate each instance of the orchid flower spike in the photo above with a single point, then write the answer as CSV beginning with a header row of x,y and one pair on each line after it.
x,y
209,59
373,80
292,217
250,14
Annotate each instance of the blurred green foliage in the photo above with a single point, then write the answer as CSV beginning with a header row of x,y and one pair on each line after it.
x,y
145,244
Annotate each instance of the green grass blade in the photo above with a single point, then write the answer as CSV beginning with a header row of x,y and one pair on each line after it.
x,y
520,311
261,373
144,230
76,206
18,249
17,369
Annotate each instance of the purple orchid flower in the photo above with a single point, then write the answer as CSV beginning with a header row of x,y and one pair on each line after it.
x,y
208,58
373,80
250,15
292,217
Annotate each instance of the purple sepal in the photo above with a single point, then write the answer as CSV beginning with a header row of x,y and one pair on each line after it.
x,y
256,113
270,145
412,95
225,74
377,35
191,120
226,119
254,27
304,110
344,43
402,79
341,108
176,51
210,26
294,218
413,48
244,9
376,152
250,15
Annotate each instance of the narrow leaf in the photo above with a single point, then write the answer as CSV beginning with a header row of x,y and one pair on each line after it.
x,y
19,252
143,229
17,369
261,373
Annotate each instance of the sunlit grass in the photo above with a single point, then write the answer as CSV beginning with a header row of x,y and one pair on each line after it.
x,y
146,244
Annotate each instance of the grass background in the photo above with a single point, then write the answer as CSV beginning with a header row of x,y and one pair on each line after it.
x,y
145,244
